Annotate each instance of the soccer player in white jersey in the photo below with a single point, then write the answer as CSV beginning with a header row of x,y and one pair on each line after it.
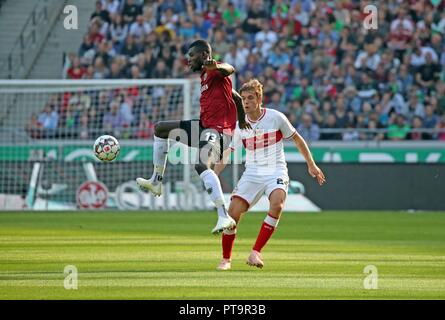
x,y
266,169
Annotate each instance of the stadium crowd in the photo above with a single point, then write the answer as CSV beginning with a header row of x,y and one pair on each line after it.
x,y
317,61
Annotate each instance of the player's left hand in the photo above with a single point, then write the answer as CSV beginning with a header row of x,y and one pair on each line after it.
x,y
316,172
210,64
244,125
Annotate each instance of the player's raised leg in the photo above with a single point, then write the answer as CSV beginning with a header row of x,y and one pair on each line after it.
x,y
237,207
270,223
160,151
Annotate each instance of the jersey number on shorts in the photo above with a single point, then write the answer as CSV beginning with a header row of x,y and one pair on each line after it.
x,y
283,182
210,137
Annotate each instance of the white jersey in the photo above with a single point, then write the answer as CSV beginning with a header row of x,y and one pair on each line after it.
x,y
264,143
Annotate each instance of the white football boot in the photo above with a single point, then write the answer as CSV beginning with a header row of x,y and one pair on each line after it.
x,y
150,186
224,223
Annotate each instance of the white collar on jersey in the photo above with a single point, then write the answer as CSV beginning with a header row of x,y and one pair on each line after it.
x,y
261,117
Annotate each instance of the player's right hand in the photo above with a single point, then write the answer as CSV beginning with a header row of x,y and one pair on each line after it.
x,y
210,64
316,172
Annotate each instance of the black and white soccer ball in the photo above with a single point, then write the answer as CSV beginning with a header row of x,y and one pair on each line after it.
x,y
106,148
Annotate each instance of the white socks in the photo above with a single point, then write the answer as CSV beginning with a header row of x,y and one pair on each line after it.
x,y
160,151
271,221
213,187
211,180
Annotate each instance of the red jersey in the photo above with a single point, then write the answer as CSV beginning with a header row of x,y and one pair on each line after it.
x,y
75,73
218,109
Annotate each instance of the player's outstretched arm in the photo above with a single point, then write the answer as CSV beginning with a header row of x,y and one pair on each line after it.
x,y
243,124
314,171
219,166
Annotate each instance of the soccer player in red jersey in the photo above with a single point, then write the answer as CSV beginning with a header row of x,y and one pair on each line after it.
x,y
266,169
220,106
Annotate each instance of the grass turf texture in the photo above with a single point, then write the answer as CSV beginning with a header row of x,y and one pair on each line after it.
x,y
173,256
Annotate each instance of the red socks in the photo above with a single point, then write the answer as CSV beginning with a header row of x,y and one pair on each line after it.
x,y
228,238
268,227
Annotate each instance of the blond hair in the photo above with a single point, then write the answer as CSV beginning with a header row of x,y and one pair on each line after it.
x,y
253,85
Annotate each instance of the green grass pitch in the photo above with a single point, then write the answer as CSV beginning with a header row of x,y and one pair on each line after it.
x,y
126,255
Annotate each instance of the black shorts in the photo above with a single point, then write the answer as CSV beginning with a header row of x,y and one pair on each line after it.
x,y
199,137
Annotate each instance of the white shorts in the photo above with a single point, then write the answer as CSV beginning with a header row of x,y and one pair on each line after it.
x,y
250,188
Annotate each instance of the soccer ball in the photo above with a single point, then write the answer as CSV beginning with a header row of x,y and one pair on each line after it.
x,y
106,148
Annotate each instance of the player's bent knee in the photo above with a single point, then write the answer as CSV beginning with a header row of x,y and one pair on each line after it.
x,y
159,129
277,207
200,168
237,208
277,199
205,153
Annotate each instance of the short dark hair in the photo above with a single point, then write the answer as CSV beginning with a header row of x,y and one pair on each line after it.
x,y
202,45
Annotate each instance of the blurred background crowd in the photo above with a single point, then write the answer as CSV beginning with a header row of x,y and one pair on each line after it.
x,y
332,77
